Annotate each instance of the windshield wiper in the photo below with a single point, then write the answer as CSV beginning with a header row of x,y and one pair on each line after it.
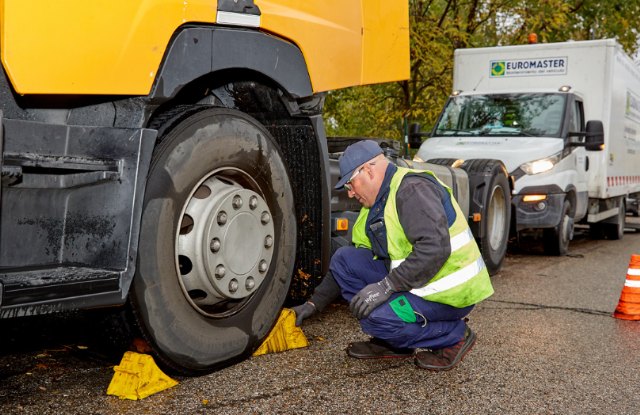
x,y
526,133
506,131
453,131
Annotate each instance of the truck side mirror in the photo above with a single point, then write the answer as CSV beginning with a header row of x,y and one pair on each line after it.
x,y
594,140
415,136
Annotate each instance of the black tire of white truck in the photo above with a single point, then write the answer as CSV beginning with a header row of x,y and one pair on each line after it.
x,y
610,228
615,230
556,240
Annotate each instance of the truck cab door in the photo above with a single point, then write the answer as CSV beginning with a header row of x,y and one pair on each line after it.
x,y
577,124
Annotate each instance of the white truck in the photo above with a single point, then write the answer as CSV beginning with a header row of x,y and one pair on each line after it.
x,y
564,118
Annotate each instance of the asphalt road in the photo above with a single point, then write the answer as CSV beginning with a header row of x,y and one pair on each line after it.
x,y
547,343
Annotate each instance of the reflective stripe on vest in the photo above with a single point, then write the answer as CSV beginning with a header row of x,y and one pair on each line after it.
x,y
457,242
461,240
452,280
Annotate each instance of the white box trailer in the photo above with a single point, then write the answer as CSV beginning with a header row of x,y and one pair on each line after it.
x,y
541,109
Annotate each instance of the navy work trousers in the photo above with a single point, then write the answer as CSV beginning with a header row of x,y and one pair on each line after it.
x,y
354,268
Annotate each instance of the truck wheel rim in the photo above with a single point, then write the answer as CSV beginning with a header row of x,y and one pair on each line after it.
x,y
496,218
224,244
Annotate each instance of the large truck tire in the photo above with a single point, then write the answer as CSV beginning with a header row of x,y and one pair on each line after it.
x,y
217,241
556,239
489,182
610,228
615,229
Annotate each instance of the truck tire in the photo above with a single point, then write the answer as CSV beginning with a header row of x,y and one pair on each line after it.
x,y
611,228
615,229
556,240
496,221
442,161
495,209
217,241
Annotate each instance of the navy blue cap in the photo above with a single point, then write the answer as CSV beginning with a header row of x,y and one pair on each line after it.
x,y
355,155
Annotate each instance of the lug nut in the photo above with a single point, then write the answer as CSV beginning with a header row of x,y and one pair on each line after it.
x,y
250,284
268,241
220,271
222,218
237,202
233,286
253,202
214,245
265,218
263,266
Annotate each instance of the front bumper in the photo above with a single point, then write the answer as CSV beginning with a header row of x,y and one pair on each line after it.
x,y
540,214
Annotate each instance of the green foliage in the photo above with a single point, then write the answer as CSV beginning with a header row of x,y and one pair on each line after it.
x,y
438,27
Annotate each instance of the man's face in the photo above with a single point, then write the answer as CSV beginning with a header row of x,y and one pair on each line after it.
x,y
362,185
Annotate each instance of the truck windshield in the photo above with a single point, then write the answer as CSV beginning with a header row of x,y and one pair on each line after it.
x,y
530,115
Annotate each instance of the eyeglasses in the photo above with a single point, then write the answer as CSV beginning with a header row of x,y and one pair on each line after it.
x,y
347,184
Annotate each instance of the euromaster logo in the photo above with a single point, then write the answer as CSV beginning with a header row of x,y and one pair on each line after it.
x,y
497,68
530,67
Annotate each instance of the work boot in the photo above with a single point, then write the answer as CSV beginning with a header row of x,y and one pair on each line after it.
x,y
447,358
377,349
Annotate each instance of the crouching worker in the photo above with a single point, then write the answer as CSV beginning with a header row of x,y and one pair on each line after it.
x,y
415,271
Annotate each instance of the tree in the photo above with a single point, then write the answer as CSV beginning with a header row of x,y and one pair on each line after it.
x,y
438,27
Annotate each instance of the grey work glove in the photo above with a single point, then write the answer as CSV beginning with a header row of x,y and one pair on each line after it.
x,y
304,311
370,297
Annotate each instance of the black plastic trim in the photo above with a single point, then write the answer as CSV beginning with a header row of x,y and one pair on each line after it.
x,y
199,51
238,6
546,189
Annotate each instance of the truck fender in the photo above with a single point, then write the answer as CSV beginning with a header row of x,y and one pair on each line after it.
x,y
480,173
198,51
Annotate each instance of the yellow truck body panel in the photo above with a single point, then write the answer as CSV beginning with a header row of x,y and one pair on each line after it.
x,y
115,47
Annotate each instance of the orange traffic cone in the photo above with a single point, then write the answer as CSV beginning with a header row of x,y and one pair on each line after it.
x,y
629,304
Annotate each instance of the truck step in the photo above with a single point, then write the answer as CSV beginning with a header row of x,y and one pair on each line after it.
x,y
38,286
633,226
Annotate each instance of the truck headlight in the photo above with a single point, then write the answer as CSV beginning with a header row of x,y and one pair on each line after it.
x,y
541,165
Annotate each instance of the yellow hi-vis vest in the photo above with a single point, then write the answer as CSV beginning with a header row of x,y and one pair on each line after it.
x,y
462,281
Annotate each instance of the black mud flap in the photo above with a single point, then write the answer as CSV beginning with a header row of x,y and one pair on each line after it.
x,y
1,158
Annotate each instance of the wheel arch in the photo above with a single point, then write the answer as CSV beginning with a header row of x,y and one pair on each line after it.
x,y
572,198
198,51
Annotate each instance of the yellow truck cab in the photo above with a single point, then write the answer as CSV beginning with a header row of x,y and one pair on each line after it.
x,y
170,156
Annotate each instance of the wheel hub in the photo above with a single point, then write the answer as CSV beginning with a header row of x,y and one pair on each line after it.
x,y
224,246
